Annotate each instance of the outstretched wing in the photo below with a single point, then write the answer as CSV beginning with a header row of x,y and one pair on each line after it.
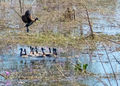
x,y
24,19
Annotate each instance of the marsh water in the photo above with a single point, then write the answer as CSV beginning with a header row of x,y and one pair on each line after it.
x,y
49,74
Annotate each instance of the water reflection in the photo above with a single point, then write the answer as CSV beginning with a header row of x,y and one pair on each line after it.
x,y
48,67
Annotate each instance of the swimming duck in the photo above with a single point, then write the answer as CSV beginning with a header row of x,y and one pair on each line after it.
x,y
36,49
54,52
36,53
49,54
31,51
43,53
21,51
23,54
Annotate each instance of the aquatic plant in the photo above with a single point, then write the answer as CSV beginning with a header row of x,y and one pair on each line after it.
x,y
85,67
6,75
78,67
81,68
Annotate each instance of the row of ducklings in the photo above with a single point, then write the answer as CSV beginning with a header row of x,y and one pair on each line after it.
x,y
35,53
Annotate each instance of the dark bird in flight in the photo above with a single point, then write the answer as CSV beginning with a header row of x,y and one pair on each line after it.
x,y
27,18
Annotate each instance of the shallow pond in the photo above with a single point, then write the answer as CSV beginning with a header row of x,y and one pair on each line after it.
x,y
22,69
60,71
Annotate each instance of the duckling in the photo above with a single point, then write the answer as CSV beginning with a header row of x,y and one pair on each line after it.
x,y
42,49
21,51
49,54
54,52
43,53
36,51
31,51
23,54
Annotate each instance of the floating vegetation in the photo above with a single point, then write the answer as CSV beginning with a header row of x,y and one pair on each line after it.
x,y
81,68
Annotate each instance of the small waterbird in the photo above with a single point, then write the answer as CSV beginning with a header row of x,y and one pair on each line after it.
x,y
26,18
49,54
23,54
36,53
36,50
54,52
43,53
31,50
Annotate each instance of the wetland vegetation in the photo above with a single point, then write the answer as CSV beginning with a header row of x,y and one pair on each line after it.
x,y
85,33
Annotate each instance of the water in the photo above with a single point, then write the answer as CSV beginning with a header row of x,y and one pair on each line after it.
x,y
14,63
49,74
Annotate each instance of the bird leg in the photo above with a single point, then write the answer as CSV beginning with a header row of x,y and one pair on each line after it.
x,y
27,29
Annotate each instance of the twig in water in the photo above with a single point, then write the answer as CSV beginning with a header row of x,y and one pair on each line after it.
x,y
105,70
116,59
3,76
101,81
60,71
102,66
110,40
111,65
88,19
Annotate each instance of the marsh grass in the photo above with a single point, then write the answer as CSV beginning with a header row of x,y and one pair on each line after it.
x,y
40,74
62,39
56,40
